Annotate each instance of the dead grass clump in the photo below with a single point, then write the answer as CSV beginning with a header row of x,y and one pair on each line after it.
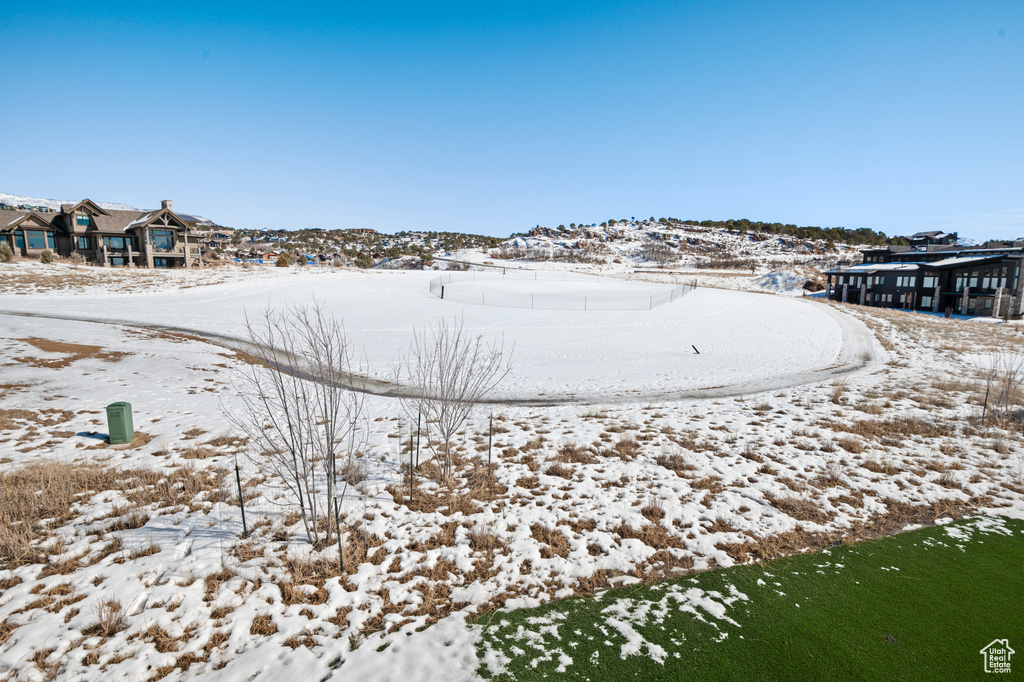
x,y
877,429
110,619
654,510
850,445
838,389
557,469
675,462
200,452
881,467
721,525
484,541
555,543
651,534
574,454
6,629
710,483
354,471
627,448
799,509
263,625
213,581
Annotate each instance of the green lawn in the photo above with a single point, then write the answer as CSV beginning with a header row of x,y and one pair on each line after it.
x,y
916,606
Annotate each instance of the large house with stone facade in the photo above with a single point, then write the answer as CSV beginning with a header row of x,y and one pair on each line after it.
x,y
107,237
935,275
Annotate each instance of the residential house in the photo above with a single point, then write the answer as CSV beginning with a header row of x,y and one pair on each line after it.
x,y
107,237
936,277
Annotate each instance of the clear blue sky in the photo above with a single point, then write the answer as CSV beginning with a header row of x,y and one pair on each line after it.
x,y
897,116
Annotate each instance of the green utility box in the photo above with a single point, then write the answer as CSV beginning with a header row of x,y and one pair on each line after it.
x,y
119,423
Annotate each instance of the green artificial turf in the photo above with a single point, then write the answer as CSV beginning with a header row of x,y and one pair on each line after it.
x,y
916,606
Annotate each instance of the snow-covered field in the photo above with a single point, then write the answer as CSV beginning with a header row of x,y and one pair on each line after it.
x,y
797,419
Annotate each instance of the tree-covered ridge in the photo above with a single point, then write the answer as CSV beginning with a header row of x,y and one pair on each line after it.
x,y
862,235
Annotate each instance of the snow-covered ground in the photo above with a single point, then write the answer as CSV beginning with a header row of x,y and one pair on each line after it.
x,y
796,418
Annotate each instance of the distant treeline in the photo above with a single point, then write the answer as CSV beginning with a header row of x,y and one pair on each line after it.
x,y
861,235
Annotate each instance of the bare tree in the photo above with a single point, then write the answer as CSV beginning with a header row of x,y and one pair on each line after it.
x,y
448,372
657,252
299,411
1003,375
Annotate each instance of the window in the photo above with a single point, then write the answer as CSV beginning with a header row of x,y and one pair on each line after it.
x,y
117,243
119,261
974,282
19,240
5,239
930,282
986,283
161,263
926,301
162,239
51,242
83,244
82,220
36,239
988,304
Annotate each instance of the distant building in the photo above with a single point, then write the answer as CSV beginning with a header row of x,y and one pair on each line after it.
x,y
934,274
147,239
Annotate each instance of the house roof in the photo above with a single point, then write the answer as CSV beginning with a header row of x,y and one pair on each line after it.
x,y
22,216
961,261
869,268
935,234
122,221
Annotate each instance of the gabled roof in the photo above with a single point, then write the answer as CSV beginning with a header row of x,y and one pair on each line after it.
x,y
22,216
122,221
84,203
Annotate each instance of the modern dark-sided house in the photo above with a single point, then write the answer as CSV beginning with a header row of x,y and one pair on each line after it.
x,y
935,276
147,239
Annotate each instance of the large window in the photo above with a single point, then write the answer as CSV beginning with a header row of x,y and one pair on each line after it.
x,y
926,301
83,244
36,239
930,282
19,239
162,239
161,263
117,243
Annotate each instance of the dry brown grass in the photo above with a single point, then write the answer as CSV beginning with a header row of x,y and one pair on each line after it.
x,y
110,619
263,625
72,352
572,453
799,509
40,497
675,462
553,541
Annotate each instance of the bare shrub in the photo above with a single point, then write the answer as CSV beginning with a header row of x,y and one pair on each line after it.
x,y
299,412
1003,377
448,373
110,619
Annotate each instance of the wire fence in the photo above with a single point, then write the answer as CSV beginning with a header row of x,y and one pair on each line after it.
x,y
448,287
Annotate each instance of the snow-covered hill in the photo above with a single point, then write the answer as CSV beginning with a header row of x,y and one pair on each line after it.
x,y
674,243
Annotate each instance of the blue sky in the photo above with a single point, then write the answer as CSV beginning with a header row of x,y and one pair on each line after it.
x,y
492,118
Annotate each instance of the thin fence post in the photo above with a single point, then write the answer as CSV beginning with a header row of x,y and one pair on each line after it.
x,y
241,500
490,436
419,416
442,292
337,527
411,470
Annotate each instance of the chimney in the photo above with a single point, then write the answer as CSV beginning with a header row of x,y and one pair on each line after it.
x,y
168,204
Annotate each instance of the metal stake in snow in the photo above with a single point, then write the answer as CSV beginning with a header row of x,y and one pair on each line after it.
x,y
337,527
410,466
241,500
695,349
490,435
419,416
